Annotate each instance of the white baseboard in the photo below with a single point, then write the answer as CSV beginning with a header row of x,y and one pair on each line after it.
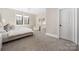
x,y
52,35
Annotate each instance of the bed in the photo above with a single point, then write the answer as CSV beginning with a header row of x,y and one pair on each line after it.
x,y
16,33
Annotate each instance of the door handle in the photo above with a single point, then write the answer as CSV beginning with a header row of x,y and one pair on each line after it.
x,y
60,25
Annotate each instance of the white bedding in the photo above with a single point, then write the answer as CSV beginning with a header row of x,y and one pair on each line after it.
x,y
3,33
16,31
19,30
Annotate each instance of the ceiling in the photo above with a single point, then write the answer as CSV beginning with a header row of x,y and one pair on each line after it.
x,y
36,11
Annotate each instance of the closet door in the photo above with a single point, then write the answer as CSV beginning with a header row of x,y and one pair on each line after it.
x,y
67,24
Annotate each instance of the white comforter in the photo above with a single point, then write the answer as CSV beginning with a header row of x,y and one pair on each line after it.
x,y
19,30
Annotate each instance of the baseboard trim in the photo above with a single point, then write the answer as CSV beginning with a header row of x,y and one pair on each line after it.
x,y
49,34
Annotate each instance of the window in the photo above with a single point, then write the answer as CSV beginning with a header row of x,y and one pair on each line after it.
x,y
22,20
26,20
19,20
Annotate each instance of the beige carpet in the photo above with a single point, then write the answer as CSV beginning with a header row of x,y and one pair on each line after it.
x,y
39,42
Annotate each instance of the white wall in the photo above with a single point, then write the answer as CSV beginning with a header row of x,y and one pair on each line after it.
x,y
78,25
10,15
32,17
52,23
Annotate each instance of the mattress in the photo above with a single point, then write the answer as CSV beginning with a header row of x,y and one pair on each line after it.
x,y
18,32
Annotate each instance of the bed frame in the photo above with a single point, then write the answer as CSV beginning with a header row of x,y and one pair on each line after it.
x,y
17,37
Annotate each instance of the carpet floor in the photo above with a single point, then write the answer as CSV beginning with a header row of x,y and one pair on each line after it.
x,y
39,42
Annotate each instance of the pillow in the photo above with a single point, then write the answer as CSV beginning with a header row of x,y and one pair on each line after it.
x,y
12,27
7,27
2,31
1,28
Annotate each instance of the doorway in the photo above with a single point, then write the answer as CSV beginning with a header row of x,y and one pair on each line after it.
x,y
41,24
66,24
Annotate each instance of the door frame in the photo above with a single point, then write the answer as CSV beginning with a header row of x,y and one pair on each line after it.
x,y
74,24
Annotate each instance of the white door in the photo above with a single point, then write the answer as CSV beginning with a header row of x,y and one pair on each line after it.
x,y
66,24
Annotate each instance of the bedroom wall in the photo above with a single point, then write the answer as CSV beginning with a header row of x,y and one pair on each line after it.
x,y
52,23
38,23
0,17
32,16
9,15
78,25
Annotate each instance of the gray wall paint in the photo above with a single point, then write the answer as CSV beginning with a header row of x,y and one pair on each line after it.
x,y
32,17
0,17
78,25
10,15
52,23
